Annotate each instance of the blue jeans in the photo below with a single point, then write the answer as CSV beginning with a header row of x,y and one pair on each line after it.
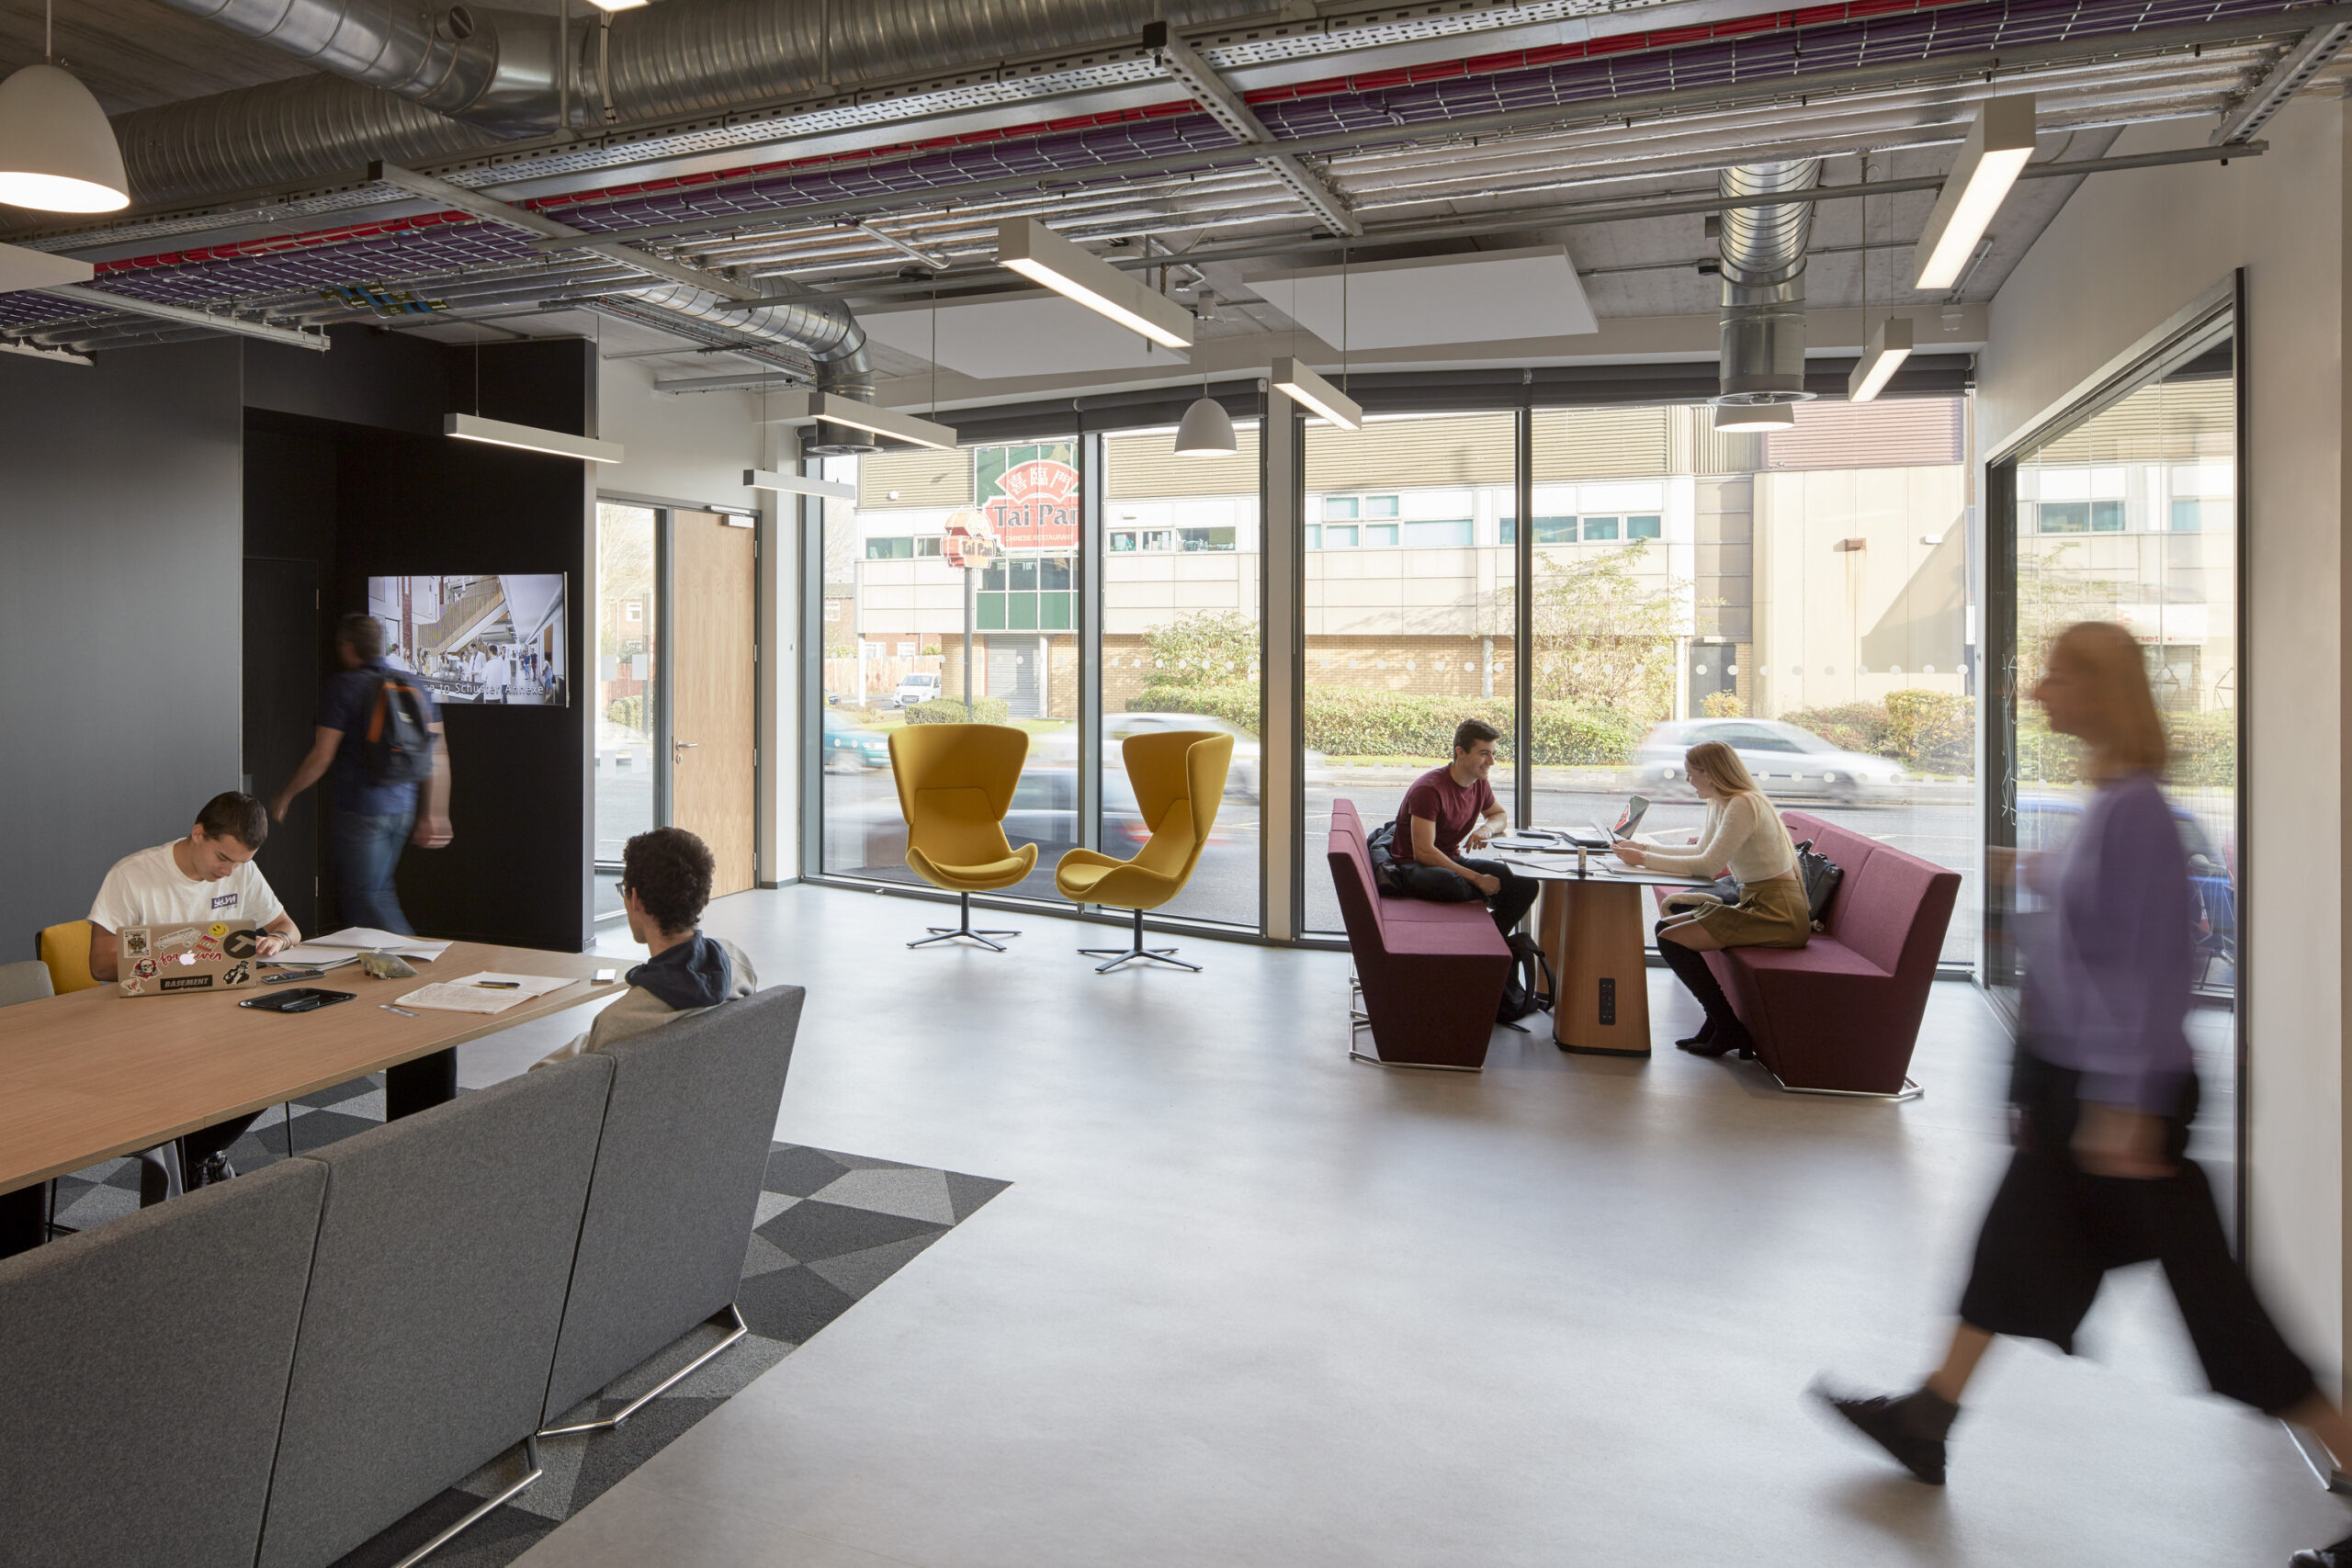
x,y
366,852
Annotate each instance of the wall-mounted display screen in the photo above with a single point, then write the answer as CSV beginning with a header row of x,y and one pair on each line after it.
x,y
501,638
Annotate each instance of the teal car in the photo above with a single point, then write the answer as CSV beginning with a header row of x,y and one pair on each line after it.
x,y
851,748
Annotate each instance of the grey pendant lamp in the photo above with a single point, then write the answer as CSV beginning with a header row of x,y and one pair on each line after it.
x,y
57,151
1207,430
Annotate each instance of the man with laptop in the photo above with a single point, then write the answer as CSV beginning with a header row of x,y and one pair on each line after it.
x,y
1447,811
204,880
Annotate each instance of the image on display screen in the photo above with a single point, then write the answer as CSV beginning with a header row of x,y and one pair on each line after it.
x,y
478,639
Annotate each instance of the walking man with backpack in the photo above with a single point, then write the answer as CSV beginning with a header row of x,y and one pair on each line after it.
x,y
380,734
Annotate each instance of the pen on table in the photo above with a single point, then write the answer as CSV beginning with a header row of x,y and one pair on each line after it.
x,y
390,1008
499,984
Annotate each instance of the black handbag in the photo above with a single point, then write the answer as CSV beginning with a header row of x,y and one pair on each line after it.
x,y
1821,876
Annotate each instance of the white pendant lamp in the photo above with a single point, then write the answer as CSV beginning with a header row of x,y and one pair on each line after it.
x,y
1207,431
57,151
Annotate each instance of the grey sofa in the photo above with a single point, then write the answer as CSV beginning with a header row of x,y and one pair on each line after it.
x,y
319,1349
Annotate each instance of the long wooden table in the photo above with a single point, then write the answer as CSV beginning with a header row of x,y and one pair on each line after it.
x,y
95,1074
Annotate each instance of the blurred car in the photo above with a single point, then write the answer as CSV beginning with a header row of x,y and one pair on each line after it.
x,y
851,748
1787,762
1240,780
915,688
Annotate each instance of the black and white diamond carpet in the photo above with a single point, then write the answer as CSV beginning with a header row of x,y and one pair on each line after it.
x,y
830,1228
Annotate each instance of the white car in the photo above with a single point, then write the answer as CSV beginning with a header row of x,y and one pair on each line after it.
x,y
916,688
1785,759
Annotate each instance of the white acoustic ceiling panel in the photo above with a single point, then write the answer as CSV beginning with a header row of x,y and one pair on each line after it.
x,y
1477,297
1042,334
21,268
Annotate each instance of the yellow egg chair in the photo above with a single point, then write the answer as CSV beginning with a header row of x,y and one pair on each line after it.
x,y
1179,778
955,783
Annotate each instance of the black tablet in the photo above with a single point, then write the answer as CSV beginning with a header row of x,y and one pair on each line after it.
x,y
301,998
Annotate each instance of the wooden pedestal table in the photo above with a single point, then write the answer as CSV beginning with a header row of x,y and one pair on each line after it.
x,y
1592,931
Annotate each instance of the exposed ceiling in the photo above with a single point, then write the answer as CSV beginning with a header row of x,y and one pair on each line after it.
x,y
1482,127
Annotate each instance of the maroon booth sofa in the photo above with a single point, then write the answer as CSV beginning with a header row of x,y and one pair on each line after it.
x,y
1841,1014
1433,973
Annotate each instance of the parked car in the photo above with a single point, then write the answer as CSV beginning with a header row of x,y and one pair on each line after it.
x,y
915,688
1241,779
1786,760
851,748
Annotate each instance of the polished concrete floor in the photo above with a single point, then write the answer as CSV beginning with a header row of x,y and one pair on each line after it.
x,y
1251,1303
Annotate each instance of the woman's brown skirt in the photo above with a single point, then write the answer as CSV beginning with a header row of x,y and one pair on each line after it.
x,y
1768,913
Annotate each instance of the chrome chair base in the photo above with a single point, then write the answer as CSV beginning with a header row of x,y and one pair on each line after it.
x,y
717,1320
963,928
530,1464
1135,952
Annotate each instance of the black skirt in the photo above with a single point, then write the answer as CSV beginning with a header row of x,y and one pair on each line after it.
x,y
2054,1230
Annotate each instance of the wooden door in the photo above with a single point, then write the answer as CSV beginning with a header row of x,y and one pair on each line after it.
x,y
713,688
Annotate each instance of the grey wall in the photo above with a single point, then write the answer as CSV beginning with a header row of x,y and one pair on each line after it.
x,y
120,569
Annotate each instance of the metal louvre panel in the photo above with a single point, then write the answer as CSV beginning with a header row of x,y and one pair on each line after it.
x,y
1897,433
2175,422
920,478
1599,443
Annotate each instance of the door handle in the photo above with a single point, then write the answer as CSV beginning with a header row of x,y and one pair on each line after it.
x,y
684,745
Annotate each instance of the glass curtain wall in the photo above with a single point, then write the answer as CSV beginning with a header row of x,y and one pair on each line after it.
x,y
628,695
1180,635
919,629
2129,514
1409,530
1802,596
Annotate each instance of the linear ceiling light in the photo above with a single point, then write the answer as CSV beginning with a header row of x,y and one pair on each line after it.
x,y
1889,347
1036,253
619,5
1754,416
808,407
1997,147
1303,386
793,484
529,438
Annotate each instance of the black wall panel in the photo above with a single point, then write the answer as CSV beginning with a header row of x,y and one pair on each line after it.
x,y
121,539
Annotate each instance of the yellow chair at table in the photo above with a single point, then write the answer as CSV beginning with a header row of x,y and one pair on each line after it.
x,y
1178,779
66,950
955,783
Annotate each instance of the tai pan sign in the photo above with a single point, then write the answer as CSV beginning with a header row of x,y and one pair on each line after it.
x,y
1035,507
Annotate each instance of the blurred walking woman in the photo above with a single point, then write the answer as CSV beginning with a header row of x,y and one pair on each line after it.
x,y
2103,1093
1742,833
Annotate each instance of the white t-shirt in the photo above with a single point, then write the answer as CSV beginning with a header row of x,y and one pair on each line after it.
x,y
149,889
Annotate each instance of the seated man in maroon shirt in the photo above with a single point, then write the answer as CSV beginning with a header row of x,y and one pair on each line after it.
x,y
1447,810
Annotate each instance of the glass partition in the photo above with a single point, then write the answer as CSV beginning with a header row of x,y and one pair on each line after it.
x,y
920,628
2129,513
1409,531
1803,596
1181,635
628,695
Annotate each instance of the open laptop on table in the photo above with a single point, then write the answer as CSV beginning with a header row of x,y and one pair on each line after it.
x,y
157,961
1629,822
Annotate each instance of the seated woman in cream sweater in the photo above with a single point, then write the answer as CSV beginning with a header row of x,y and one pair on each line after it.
x,y
1742,835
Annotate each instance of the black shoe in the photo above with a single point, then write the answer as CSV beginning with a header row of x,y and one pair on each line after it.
x,y
211,1170
1910,1426
2336,1556
1704,1044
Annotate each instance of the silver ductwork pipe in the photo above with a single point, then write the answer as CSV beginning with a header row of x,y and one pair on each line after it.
x,y
820,327
398,76
1763,284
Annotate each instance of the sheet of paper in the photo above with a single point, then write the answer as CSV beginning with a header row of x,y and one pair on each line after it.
x,y
369,937
312,956
483,993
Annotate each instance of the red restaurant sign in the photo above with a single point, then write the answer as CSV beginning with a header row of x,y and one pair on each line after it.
x,y
1037,509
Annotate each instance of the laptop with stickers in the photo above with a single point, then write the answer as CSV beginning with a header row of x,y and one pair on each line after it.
x,y
161,961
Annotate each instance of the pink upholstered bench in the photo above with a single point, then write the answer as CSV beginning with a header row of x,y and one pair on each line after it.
x,y
1433,973
1841,1014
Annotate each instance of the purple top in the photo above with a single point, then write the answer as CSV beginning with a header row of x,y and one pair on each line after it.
x,y
2107,979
